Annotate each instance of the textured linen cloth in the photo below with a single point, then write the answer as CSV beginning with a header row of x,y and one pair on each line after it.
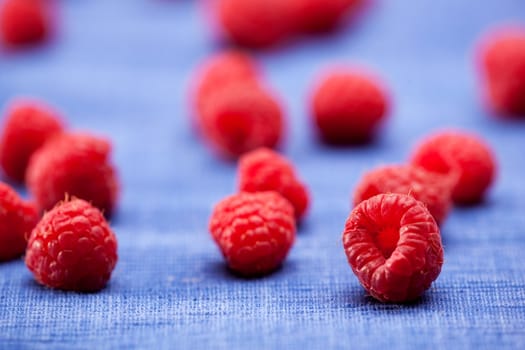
x,y
122,68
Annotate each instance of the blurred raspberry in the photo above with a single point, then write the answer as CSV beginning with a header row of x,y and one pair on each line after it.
x,y
28,124
77,165
254,231
322,15
17,219
266,170
25,22
502,60
433,190
348,107
255,23
459,154
393,245
239,118
72,248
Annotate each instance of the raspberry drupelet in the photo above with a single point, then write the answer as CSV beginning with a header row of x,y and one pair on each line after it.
x,y
28,125
17,219
77,165
266,170
321,15
254,231
348,107
72,248
393,245
434,190
24,22
462,155
502,64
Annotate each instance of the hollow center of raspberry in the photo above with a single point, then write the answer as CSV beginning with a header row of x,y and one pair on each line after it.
x,y
386,240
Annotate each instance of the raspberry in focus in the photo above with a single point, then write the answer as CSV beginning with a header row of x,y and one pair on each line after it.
x,y
463,155
348,107
17,219
254,231
240,118
27,126
433,190
322,15
266,170
255,23
72,248
393,245
76,165
24,22
502,64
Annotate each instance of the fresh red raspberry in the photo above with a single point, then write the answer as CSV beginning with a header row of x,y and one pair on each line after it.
x,y
76,165
265,170
459,154
24,21
393,245
221,70
322,15
240,118
255,23
434,190
27,126
72,248
348,107
254,231
17,219
502,61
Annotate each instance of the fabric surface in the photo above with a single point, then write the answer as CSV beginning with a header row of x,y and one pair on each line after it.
x,y
122,68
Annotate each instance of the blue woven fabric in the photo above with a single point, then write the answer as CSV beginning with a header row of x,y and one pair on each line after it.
x,y
121,68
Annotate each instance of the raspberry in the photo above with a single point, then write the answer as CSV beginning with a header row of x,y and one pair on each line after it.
x,y
72,248
460,154
502,60
433,190
17,219
265,170
27,126
393,245
24,21
226,68
240,118
321,15
75,165
254,231
255,23
348,107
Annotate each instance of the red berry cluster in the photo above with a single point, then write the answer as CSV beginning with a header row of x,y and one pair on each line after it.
x,y
72,247
235,113
261,23
25,22
255,228
391,238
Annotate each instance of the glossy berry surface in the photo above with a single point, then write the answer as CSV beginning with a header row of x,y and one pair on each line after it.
x,y
434,190
76,165
348,107
463,155
17,219
27,126
72,248
393,245
266,170
254,231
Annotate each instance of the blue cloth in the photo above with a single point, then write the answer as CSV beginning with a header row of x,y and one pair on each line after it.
x,y
122,68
